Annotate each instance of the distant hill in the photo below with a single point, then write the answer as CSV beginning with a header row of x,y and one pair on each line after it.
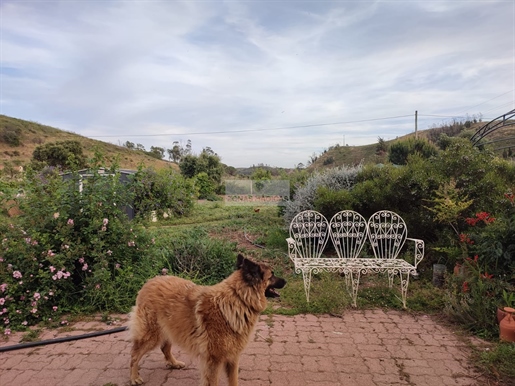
x,y
337,155
32,134
19,138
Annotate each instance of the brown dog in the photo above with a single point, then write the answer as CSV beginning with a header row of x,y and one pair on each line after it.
x,y
211,322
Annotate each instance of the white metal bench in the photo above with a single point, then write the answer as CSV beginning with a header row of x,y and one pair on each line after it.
x,y
386,232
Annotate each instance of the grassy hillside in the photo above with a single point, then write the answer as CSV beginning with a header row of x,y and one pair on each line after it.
x,y
32,134
501,139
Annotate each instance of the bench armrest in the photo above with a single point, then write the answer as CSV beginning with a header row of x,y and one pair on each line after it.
x,y
419,250
292,249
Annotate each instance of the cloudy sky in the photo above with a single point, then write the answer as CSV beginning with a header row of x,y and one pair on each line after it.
x,y
257,81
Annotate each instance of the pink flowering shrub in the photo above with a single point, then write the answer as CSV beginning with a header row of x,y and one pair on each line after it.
x,y
70,248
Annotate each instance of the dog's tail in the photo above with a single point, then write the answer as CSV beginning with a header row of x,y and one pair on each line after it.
x,y
135,322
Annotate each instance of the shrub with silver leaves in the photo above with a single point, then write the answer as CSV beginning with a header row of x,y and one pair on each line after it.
x,y
343,177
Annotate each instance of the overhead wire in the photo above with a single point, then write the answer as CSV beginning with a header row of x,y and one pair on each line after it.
x,y
257,130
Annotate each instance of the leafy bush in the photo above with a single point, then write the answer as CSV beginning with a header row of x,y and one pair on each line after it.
x,y
163,191
196,255
493,240
472,299
400,150
204,185
11,135
329,202
71,248
66,155
333,179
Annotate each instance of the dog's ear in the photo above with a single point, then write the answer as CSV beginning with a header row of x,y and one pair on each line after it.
x,y
251,271
239,261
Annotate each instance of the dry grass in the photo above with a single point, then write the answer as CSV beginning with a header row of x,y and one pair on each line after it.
x,y
35,134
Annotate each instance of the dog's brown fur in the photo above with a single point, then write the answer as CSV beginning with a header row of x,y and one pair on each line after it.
x,y
211,322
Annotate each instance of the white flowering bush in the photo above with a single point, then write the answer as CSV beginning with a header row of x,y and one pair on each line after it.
x,y
341,178
71,251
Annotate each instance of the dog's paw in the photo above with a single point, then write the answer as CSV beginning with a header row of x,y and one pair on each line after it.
x,y
136,381
176,365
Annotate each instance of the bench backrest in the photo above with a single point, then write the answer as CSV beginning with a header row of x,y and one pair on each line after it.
x,y
387,233
310,230
348,233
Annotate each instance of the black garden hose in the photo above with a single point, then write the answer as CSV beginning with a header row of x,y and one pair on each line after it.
x,y
61,340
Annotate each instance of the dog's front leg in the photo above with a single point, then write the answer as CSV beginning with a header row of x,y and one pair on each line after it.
x,y
231,369
210,371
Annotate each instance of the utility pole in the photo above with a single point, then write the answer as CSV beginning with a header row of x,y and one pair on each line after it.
x,y
416,124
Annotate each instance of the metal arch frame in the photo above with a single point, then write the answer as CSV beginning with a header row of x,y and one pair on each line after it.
x,y
491,126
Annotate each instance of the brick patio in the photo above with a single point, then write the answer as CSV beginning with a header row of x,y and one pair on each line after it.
x,y
362,348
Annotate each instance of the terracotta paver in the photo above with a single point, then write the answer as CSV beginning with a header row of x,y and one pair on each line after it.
x,y
363,348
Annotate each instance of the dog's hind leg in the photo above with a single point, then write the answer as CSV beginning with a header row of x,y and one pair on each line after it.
x,y
139,348
231,369
210,371
172,362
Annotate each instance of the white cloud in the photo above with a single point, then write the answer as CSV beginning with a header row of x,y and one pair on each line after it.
x,y
126,68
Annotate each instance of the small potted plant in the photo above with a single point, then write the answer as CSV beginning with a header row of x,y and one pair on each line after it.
x,y
508,301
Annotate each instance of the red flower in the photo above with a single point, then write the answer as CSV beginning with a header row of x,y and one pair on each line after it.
x,y
465,239
471,221
510,197
481,216
465,287
486,275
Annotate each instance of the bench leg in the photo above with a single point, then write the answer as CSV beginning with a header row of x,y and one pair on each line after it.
x,y
306,275
391,275
354,278
404,286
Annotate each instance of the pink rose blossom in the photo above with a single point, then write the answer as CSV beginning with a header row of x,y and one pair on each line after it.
x,y
7,331
17,275
70,222
52,268
2,301
37,296
54,308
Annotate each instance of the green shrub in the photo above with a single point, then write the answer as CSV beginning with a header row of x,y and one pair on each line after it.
x,y
195,255
71,250
329,202
11,136
401,150
163,191
66,155
204,185
472,299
